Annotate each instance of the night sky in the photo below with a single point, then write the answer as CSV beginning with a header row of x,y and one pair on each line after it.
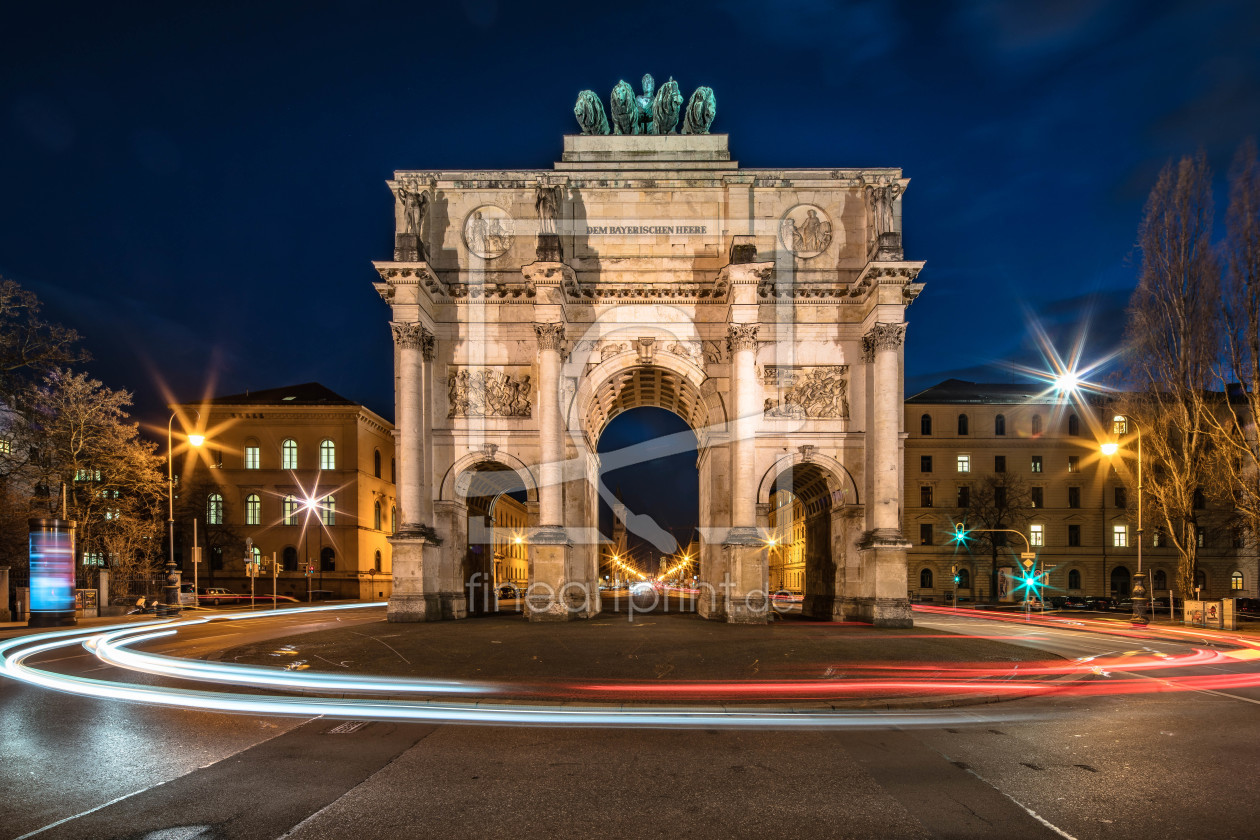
x,y
200,190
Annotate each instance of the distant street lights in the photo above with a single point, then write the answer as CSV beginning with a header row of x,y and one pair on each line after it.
x,y
170,592
1119,426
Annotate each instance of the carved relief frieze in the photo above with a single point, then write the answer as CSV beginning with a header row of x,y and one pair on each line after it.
x,y
805,230
820,392
488,392
689,350
714,352
488,231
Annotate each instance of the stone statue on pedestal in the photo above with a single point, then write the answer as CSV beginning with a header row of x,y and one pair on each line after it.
x,y
651,112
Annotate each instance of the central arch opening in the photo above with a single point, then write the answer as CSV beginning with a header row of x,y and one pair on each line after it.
x,y
804,500
649,497
495,567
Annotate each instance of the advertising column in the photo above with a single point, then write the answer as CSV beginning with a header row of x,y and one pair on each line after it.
x,y
52,573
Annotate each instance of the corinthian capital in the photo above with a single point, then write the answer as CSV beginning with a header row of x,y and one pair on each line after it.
x,y
550,336
407,335
883,337
741,337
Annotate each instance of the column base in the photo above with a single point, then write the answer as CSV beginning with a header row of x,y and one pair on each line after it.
x,y
451,606
880,612
408,602
748,609
745,599
549,597
823,608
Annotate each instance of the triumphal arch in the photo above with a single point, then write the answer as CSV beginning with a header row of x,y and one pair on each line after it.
x,y
647,268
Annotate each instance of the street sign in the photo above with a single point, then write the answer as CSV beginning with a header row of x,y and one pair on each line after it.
x,y
196,554
1028,564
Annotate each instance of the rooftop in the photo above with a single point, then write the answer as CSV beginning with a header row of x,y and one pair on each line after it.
x,y
308,393
961,392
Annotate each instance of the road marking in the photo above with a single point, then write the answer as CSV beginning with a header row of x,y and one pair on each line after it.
x,y
88,811
1249,653
1025,808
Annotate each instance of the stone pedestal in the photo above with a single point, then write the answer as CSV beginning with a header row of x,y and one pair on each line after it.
x,y
548,248
883,601
746,599
409,602
548,597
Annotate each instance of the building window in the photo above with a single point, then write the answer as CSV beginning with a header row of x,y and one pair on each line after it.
x,y
376,515
964,463
328,510
925,579
962,424
1074,463
1074,497
376,463
1159,580
253,510
214,509
1236,581
1074,579
1038,496
6,446
1120,536
1200,579
999,497
999,463
1036,535
327,455
377,560
1199,502
1074,536
1122,499
289,558
1036,425
925,533
1074,425
925,496
925,463
925,424
964,495
327,559
999,425
252,455
1200,538
1036,463
964,579
1155,539
288,455
289,509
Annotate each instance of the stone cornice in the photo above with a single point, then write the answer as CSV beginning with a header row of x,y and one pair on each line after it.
x,y
397,273
887,274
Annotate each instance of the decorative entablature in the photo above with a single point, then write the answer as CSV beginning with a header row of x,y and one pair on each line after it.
x,y
415,273
901,274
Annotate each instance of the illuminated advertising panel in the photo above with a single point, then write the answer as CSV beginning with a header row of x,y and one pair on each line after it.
x,y
52,572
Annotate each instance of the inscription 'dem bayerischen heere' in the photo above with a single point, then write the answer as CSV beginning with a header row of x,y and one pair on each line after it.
x,y
642,230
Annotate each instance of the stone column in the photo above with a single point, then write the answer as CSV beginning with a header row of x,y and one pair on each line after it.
x,y
745,593
550,546
415,535
883,599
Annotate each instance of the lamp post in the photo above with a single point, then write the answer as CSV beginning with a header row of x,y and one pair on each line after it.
x,y
170,592
1119,425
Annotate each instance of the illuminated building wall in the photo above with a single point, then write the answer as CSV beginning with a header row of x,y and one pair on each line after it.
x,y
511,554
787,555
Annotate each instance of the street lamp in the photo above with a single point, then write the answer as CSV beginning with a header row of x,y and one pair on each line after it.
x,y
1119,425
170,592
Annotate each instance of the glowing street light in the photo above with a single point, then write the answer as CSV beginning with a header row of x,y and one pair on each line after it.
x,y
170,592
1120,425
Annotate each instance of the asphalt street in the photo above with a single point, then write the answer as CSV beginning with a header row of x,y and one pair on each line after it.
x,y
1169,764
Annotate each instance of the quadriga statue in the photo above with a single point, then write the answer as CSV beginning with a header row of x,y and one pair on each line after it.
x,y
590,113
666,107
624,107
700,112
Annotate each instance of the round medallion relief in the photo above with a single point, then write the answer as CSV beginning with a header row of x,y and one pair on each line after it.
x,y
805,230
488,231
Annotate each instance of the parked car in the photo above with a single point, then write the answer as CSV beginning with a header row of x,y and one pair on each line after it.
x,y
507,591
1073,602
1251,606
215,595
1098,602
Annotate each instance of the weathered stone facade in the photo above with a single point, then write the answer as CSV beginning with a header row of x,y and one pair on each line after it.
x,y
765,307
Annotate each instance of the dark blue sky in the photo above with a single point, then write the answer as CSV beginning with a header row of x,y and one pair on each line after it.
x,y
199,188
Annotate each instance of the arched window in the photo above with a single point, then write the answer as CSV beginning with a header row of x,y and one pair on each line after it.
x,y
376,514
289,558
257,556
377,560
925,424
1159,580
1074,425
376,463
999,424
214,509
1036,425
252,454
962,424
327,559
288,454
328,510
1074,579
253,509
327,455
925,579
1236,581
964,579
289,509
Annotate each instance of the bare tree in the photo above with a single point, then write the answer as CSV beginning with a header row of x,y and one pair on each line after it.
x,y
28,343
1172,346
993,503
1234,426
133,547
